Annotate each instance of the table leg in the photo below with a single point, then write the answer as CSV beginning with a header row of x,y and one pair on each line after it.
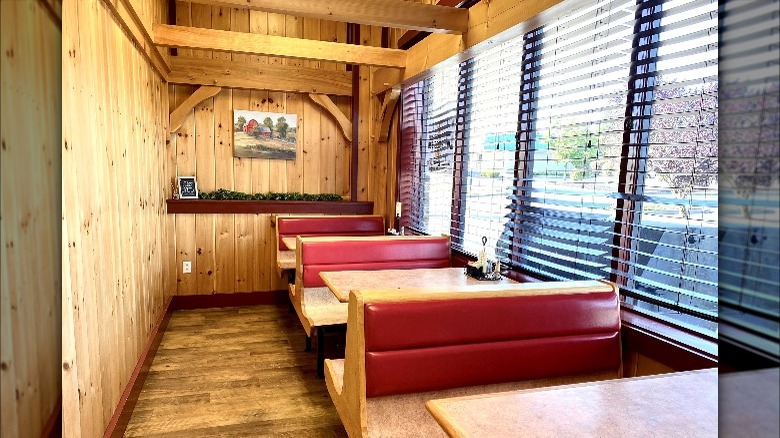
x,y
320,353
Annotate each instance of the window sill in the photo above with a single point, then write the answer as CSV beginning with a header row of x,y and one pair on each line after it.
x,y
666,343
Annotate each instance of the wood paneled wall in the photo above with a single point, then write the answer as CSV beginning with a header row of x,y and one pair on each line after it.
x,y
30,290
115,242
236,253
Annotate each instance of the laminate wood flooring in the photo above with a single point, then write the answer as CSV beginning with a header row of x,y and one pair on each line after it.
x,y
234,372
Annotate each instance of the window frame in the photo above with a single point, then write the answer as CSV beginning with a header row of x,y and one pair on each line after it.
x,y
626,206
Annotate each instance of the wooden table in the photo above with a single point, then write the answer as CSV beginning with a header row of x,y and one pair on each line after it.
x,y
291,242
668,405
749,403
342,282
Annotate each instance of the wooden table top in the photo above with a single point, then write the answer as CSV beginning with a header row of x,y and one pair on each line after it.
x,y
678,404
342,282
749,403
291,242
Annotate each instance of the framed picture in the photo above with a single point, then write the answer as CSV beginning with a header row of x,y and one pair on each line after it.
x,y
188,188
259,134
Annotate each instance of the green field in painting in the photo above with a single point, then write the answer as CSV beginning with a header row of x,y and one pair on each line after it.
x,y
247,146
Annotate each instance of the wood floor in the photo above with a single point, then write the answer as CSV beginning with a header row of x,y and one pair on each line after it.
x,y
237,371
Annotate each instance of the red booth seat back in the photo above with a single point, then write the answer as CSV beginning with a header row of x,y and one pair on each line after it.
x,y
434,345
329,226
372,254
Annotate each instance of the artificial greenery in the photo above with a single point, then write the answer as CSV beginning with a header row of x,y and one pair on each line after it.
x,y
295,196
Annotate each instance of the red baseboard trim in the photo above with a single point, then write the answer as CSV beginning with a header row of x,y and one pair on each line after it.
x,y
123,412
53,426
189,302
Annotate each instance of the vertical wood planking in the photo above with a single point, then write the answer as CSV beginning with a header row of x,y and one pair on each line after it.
x,y
186,244
114,221
294,104
276,26
206,179
223,123
343,147
242,173
29,298
312,136
377,153
258,101
364,122
329,134
244,251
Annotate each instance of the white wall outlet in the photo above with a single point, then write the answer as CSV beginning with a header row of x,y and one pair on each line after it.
x,y
186,267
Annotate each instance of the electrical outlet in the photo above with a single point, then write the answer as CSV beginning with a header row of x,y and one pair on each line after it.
x,y
186,267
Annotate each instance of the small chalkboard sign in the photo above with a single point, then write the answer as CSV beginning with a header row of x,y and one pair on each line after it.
x,y
188,188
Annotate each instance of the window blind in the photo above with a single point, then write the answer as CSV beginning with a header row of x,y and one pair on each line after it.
x,y
569,131
485,148
749,257
665,248
588,149
428,128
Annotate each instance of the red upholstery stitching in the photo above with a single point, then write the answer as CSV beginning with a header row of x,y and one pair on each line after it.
x,y
433,345
431,369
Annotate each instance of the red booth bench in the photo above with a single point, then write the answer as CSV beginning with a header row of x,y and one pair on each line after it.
x,y
316,305
333,225
405,347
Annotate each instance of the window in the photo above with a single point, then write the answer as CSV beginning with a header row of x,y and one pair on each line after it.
x,y
428,128
588,149
749,252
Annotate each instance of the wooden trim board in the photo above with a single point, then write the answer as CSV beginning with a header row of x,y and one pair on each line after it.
x,y
286,47
388,13
255,76
189,302
123,412
53,426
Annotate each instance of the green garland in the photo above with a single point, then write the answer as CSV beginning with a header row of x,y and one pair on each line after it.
x,y
295,196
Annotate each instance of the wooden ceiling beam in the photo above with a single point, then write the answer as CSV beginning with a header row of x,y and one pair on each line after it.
x,y
490,23
271,45
254,76
139,31
388,13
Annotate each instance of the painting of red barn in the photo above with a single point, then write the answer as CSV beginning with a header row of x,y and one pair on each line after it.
x,y
259,134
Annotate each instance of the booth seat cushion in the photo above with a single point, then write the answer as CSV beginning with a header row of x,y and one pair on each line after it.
x,y
328,226
435,345
407,325
358,251
351,255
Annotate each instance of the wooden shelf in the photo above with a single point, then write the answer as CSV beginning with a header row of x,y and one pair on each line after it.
x,y
213,206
